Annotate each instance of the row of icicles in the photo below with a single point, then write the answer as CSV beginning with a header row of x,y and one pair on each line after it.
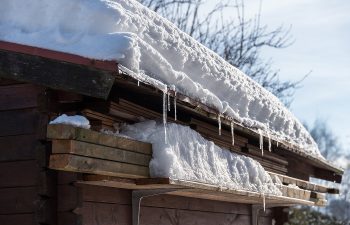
x,y
167,107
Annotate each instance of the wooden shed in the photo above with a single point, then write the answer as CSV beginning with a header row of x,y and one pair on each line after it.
x,y
64,175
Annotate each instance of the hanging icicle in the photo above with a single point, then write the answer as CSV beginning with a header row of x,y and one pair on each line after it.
x,y
261,142
232,133
219,123
168,101
165,114
277,144
269,142
138,83
175,98
264,202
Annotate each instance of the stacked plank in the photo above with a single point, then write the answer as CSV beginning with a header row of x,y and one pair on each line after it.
x,y
86,151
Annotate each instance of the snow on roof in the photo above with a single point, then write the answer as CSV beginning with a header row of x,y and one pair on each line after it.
x,y
155,51
186,155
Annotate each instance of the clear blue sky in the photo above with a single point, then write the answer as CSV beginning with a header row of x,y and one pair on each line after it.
x,y
321,30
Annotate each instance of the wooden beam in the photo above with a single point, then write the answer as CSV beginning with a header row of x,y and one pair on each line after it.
x,y
99,152
82,164
61,131
55,74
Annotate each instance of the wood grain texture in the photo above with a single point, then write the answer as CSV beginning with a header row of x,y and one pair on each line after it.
x,y
99,152
81,164
19,96
18,122
61,131
55,74
19,174
20,147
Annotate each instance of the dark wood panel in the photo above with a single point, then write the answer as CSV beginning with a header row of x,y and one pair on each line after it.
x,y
103,214
18,96
18,219
18,200
55,74
21,173
20,147
68,198
68,218
18,122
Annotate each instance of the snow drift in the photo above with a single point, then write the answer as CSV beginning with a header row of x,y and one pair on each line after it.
x,y
76,121
155,51
186,155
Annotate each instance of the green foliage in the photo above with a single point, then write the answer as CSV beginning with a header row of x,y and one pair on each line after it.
x,y
308,216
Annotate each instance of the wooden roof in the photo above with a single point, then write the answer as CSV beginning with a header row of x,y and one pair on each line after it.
x,y
96,78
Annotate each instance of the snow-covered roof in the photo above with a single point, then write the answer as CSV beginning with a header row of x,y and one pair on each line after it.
x,y
157,53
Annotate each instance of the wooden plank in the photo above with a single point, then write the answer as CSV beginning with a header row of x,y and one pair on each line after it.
x,y
19,96
99,152
81,164
18,200
68,198
61,131
71,218
20,173
20,147
20,219
305,184
18,122
105,214
123,196
55,74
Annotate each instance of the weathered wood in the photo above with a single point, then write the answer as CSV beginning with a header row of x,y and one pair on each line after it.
x,y
68,198
18,96
305,184
81,164
55,74
71,218
61,131
104,214
18,122
99,152
20,219
20,147
201,191
20,173
18,200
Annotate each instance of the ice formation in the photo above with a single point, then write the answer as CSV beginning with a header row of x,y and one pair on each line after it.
x,y
77,121
154,51
189,156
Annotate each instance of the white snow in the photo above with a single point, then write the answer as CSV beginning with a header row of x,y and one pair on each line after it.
x,y
188,156
77,121
154,51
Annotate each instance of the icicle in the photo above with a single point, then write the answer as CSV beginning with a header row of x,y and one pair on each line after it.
x,y
232,133
261,142
165,114
168,101
264,203
219,122
175,104
277,144
138,83
269,143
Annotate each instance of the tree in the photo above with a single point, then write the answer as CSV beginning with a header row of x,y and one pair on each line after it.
x,y
331,149
239,40
327,142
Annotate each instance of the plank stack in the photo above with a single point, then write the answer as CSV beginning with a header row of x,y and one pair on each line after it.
x,y
86,151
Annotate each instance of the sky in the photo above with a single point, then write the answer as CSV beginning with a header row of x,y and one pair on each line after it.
x,y
321,30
